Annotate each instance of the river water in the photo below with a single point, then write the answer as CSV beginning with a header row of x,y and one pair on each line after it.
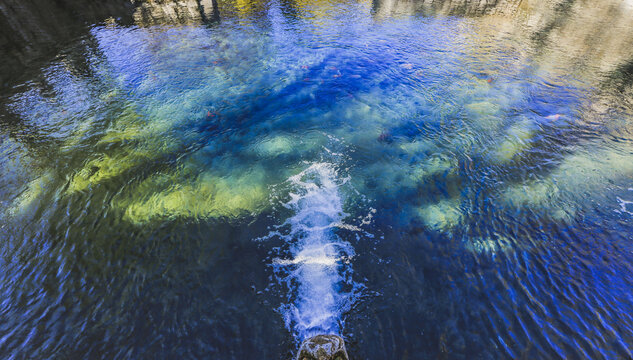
x,y
423,184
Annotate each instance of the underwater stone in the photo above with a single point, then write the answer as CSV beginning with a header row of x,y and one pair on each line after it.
x,y
578,176
441,216
323,347
309,143
517,140
484,115
483,108
275,146
434,165
530,194
416,147
544,195
488,245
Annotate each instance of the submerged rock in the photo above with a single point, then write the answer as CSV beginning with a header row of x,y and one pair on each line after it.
x,y
517,140
531,194
434,165
442,216
323,347
417,147
488,246
287,145
483,108
274,146
578,176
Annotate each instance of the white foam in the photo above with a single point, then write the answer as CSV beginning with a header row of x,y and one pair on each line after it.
x,y
624,204
316,266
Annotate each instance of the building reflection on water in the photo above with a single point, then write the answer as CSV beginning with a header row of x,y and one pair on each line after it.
x,y
595,35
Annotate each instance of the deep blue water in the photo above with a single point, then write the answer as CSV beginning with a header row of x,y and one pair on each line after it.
x,y
425,186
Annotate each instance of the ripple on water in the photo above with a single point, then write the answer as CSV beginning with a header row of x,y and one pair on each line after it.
x,y
139,165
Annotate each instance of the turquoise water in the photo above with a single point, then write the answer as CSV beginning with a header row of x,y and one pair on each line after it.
x,y
424,186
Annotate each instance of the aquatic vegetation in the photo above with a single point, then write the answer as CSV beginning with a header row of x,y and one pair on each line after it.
x,y
130,140
128,126
208,196
107,167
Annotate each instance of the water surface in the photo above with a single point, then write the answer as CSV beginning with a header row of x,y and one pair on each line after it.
x,y
227,184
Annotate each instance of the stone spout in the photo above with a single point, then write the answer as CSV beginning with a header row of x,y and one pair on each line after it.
x,y
323,347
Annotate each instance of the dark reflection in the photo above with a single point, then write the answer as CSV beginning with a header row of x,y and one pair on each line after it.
x,y
34,31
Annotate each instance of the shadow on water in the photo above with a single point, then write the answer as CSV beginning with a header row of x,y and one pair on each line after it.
x,y
486,205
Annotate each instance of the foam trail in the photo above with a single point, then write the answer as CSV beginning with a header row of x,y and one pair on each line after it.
x,y
316,268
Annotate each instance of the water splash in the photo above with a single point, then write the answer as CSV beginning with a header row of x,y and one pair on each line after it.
x,y
315,264
625,204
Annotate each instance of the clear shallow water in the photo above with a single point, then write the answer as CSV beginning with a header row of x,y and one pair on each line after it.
x,y
446,186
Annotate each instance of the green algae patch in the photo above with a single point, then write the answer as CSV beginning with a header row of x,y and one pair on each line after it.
x,y
210,196
109,166
106,167
130,126
120,134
